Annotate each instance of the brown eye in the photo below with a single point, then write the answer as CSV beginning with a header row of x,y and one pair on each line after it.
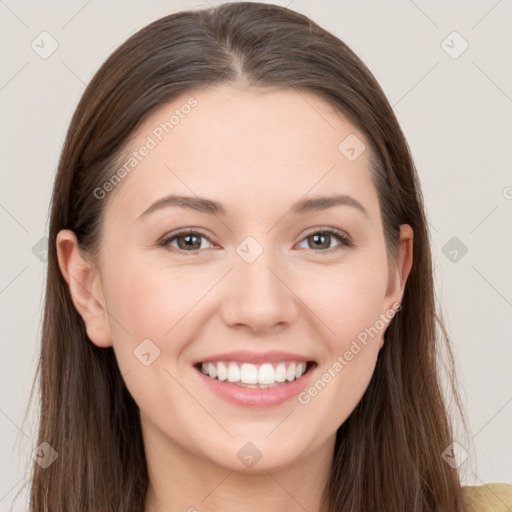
x,y
322,240
187,241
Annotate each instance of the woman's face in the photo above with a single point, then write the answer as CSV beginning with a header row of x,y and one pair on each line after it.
x,y
252,277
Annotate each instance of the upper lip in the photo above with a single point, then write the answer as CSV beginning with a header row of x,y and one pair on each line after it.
x,y
243,356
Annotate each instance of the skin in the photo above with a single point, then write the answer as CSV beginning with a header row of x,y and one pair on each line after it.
x,y
257,152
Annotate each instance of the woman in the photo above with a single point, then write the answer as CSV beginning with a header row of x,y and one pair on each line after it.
x,y
239,305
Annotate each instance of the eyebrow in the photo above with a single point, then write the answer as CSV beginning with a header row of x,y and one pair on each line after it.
x,y
203,205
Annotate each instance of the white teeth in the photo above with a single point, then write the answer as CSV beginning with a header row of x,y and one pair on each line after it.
x,y
290,372
253,376
233,372
249,374
303,367
266,374
212,370
280,375
222,371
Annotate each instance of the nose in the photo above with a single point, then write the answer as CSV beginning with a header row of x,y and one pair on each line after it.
x,y
258,296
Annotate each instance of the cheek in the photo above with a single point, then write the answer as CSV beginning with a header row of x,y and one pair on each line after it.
x,y
346,299
348,304
155,302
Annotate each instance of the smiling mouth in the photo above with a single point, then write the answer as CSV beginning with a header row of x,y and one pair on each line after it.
x,y
255,376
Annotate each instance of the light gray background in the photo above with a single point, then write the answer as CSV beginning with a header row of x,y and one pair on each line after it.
x,y
456,114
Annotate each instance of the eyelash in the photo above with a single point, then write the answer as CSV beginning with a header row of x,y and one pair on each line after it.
x,y
345,241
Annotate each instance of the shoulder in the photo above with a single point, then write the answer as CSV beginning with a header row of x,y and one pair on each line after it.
x,y
489,498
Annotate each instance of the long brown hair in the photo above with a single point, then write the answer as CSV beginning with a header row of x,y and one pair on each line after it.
x,y
388,452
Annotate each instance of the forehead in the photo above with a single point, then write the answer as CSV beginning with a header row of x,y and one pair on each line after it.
x,y
245,147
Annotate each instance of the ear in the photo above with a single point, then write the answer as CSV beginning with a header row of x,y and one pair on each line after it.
x,y
84,285
399,271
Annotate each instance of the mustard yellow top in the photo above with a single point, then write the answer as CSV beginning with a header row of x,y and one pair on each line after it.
x,y
489,498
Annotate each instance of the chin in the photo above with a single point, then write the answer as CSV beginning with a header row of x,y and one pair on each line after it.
x,y
253,455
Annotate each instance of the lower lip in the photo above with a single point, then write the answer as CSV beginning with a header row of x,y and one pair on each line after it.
x,y
250,397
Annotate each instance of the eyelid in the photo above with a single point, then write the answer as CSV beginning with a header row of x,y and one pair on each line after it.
x,y
329,230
